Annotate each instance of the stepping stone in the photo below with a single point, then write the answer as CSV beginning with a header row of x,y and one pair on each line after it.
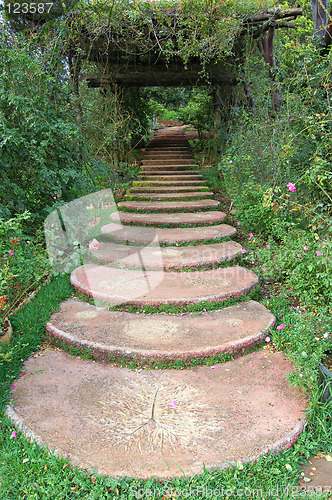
x,y
169,189
166,161
167,173
167,236
128,286
170,177
169,168
169,205
162,423
160,337
167,258
175,219
172,195
151,155
171,183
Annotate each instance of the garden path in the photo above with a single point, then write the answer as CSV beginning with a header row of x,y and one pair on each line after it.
x,y
187,405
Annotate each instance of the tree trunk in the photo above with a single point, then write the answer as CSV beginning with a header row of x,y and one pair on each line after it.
x,y
319,16
74,64
266,45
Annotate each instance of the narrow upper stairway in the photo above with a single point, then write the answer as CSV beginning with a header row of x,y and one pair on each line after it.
x,y
168,248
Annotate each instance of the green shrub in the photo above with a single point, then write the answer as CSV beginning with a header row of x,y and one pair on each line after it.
x,y
23,263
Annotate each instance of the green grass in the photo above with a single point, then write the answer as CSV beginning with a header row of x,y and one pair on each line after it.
x,y
29,331
173,309
30,472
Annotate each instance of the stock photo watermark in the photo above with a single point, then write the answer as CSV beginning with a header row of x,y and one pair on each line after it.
x,y
193,492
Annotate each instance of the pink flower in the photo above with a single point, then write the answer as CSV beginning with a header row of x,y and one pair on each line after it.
x,y
214,367
305,247
12,386
13,435
173,403
291,187
11,252
251,235
244,250
301,375
299,255
292,223
268,246
317,338
281,327
238,223
325,335
21,374
94,244
319,254
267,339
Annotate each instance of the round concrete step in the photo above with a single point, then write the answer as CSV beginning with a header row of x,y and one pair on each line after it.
x,y
160,337
170,195
170,183
151,155
162,423
169,168
167,236
184,176
169,205
173,219
168,258
157,172
144,287
167,161
169,189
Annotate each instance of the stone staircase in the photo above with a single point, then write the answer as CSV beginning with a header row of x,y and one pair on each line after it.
x,y
161,422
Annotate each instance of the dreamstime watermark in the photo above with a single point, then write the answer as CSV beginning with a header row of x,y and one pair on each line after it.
x,y
197,492
82,239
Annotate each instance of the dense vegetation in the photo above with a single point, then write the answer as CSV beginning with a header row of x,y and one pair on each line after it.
x,y
61,140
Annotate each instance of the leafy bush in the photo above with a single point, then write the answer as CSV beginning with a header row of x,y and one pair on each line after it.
x,y
23,263
41,146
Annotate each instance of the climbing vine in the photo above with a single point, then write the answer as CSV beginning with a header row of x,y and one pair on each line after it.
x,y
187,29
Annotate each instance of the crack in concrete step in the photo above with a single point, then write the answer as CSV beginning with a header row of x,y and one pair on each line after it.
x,y
162,423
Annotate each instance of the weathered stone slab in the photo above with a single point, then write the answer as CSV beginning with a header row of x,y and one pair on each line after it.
x,y
172,183
160,337
169,189
171,195
183,176
164,171
162,422
167,236
173,219
143,287
169,205
167,161
167,258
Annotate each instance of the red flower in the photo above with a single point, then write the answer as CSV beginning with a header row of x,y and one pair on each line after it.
x,y
15,241
2,299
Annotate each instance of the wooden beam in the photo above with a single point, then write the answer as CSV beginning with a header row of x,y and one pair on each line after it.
x,y
162,77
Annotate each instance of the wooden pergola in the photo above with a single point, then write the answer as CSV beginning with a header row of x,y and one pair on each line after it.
x,y
123,66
